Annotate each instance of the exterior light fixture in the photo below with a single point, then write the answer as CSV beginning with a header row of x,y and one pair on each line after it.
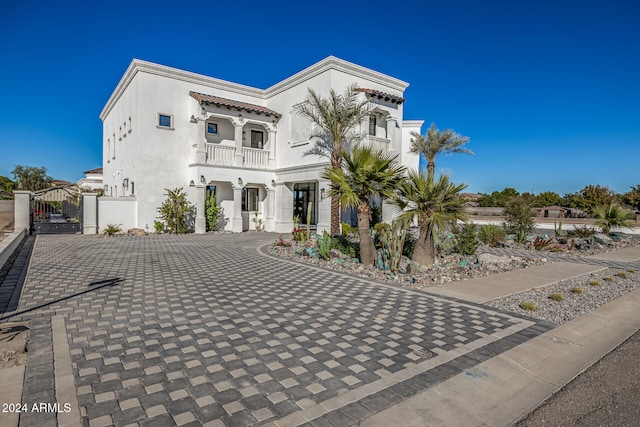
x,y
202,180
125,183
239,181
192,184
322,194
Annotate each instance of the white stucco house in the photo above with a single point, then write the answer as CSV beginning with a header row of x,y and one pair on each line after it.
x,y
167,128
92,180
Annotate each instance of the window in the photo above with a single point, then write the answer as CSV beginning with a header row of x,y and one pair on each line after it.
x,y
108,150
372,125
250,199
114,146
212,128
257,139
129,125
133,188
165,121
211,189
300,128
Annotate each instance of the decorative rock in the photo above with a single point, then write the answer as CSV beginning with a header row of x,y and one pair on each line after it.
x,y
603,239
487,259
136,232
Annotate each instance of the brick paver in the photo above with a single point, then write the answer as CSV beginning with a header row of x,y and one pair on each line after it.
x,y
186,330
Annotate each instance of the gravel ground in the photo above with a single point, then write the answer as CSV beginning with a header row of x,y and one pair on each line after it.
x,y
574,304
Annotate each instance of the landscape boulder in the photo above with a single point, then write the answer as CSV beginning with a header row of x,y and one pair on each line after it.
x,y
136,232
485,259
603,239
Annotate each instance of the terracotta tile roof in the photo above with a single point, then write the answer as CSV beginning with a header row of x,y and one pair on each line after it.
x,y
96,170
230,103
382,95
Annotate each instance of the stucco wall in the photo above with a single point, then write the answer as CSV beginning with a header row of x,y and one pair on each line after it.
x,y
118,211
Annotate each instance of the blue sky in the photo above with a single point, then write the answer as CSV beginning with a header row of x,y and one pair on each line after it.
x,y
547,90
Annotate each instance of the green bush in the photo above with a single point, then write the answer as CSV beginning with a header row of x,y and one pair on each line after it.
x,y
631,270
176,212
345,246
466,239
595,283
158,227
347,230
581,232
211,212
621,274
112,229
576,290
556,297
608,279
528,306
491,234
518,218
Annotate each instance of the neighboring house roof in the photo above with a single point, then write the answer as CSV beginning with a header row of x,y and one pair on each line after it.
x,y
230,103
60,183
553,208
382,95
96,170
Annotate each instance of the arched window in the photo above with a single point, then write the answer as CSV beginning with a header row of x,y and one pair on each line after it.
x,y
372,125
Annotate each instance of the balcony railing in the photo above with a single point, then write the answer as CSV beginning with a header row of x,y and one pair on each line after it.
x,y
225,155
255,158
221,154
378,143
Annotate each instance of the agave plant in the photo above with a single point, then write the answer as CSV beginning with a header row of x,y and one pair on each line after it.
x,y
612,217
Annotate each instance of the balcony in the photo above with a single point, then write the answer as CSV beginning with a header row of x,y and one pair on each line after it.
x,y
378,143
225,155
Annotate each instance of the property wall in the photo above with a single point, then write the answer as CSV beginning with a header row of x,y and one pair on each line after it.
x,y
6,205
118,211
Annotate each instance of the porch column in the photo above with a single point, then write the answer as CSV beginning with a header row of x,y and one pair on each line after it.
x,y
201,221
237,137
89,213
283,207
236,220
269,208
22,210
271,129
201,152
324,207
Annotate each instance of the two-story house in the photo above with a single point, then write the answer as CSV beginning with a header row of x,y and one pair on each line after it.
x,y
167,128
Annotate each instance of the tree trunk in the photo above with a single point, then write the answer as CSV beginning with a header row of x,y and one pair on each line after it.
x,y
424,252
431,168
335,216
367,249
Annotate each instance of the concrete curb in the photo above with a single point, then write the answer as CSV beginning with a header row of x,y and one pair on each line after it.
x,y
507,387
9,245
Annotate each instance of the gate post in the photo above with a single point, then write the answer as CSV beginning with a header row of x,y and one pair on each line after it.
x,y
89,213
22,210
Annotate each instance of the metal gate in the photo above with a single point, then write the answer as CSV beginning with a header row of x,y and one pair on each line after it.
x,y
57,210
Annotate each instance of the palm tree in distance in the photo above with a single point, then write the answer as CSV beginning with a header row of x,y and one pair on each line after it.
x,y
612,217
436,143
436,204
335,118
365,174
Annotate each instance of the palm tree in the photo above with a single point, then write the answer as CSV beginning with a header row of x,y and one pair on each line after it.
x,y
436,143
611,217
365,174
335,119
435,205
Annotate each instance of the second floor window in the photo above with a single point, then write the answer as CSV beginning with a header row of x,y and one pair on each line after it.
x,y
372,125
212,128
257,139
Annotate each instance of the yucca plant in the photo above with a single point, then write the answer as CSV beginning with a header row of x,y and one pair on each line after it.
x,y
491,234
112,229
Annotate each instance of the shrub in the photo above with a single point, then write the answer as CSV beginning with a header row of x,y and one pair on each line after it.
x,y
491,234
324,245
556,297
518,218
409,247
176,212
346,229
581,232
282,242
158,227
539,244
528,306
211,212
622,274
112,229
631,270
345,246
608,279
466,239
594,283
257,221
576,290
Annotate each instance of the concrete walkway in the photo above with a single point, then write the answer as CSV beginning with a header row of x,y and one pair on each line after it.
x,y
169,340
631,254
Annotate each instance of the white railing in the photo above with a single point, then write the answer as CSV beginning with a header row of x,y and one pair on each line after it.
x,y
255,158
220,154
378,143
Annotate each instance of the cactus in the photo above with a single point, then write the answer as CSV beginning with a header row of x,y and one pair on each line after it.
x,y
324,245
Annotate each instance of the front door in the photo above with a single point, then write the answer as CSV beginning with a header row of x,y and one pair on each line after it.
x,y
303,194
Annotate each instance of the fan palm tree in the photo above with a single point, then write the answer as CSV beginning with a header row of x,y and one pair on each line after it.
x,y
365,173
611,217
436,143
335,119
435,204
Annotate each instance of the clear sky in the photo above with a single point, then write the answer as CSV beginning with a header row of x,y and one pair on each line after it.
x,y
547,90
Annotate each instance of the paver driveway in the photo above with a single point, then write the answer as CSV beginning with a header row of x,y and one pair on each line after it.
x,y
197,329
